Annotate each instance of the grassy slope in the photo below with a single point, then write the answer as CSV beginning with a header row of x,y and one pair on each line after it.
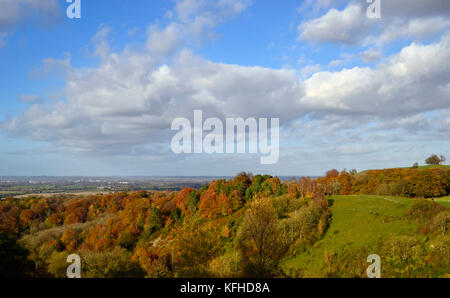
x,y
356,221
420,168
434,166
444,201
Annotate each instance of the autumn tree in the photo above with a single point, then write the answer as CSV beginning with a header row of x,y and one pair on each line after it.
x,y
156,263
195,245
259,241
428,184
433,160
9,219
345,182
116,263
332,174
212,205
70,239
186,200
155,221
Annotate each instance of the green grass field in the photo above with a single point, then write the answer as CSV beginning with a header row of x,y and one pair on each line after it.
x,y
444,201
426,167
434,166
357,221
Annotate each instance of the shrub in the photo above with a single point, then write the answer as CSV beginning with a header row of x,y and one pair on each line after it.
x,y
57,264
112,264
423,210
441,222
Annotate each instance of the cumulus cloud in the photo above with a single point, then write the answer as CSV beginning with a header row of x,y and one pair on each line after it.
x,y
162,42
191,19
308,70
314,6
415,29
14,12
348,26
413,20
127,103
412,81
370,55
200,17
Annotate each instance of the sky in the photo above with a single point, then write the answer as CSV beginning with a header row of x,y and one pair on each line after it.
x,y
97,95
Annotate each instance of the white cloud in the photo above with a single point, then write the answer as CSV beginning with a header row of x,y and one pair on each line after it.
x,y
126,104
164,42
348,26
336,63
308,70
191,18
14,12
415,29
200,17
370,55
412,81
411,19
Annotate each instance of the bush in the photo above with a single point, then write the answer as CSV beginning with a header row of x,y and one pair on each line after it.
x,y
286,204
424,210
113,264
302,224
225,266
57,264
126,240
441,222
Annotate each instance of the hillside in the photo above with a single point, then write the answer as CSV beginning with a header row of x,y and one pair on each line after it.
x,y
356,222
434,167
443,201
244,227
364,225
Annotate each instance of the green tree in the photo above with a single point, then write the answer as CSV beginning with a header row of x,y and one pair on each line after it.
x,y
155,221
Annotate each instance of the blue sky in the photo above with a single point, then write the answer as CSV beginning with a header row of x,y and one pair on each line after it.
x,y
96,95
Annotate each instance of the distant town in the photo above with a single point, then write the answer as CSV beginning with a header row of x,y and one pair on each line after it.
x,y
15,186
20,186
